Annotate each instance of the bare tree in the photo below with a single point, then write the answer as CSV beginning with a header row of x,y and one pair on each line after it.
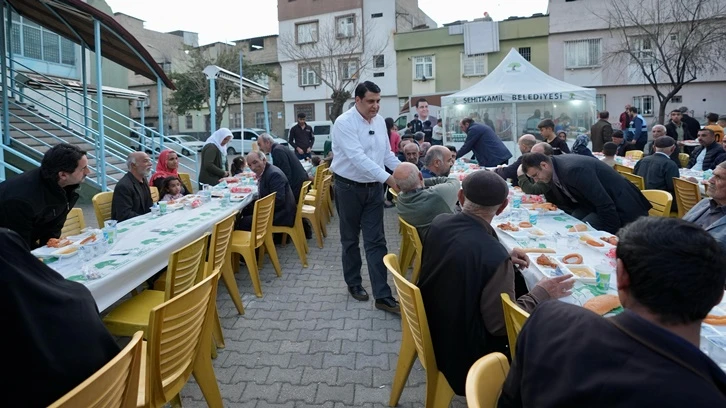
x,y
672,43
333,55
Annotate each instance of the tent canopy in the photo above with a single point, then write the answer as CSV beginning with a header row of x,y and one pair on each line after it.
x,y
517,80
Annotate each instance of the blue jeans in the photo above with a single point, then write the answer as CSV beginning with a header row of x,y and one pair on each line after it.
x,y
361,208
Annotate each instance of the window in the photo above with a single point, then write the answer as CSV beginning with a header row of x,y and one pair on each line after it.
x,y
582,53
329,114
345,26
308,76
208,123
473,65
379,61
600,102
642,49
262,79
423,67
165,66
376,15
677,99
526,53
33,41
235,120
189,119
306,33
260,119
257,44
348,69
307,108
378,74
644,104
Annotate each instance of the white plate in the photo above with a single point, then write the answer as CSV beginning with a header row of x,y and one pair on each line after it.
x,y
238,197
595,235
691,143
64,252
583,279
44,252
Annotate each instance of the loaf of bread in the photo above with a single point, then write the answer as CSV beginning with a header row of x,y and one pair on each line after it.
x,y
602,304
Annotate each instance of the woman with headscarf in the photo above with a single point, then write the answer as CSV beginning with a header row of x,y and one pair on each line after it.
x,y
214,158
580,146
54,337
167,166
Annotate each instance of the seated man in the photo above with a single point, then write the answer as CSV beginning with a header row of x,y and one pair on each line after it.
x,y
658,132
609,150
413,154
270,180
710,213
525,143
464,270
437,162
590,189
286,161
131,196
35,203
658,169
421,200
648,355
528,185
709,154
619,140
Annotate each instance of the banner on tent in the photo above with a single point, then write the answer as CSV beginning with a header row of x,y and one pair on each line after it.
x,y
529,97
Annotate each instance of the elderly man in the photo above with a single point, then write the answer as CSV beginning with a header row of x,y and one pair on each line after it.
x,y
622,145
528,185
464,270
270,179
421,200
437,162
525,143
488,148
35,203
285,160
658,132
709,154
131,196
601,132
658,169
648,355
710,213
593,191
412,153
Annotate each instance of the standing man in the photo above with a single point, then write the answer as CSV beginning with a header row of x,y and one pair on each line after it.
x,y
437,136
693,126
301,138
639,129
676,128
601,132
625,118
416,125
427,121
132,196
486,145
362,152
35,204
547,129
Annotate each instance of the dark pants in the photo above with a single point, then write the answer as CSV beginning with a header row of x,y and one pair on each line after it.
x,y
435,142
303,156
590,217
361,208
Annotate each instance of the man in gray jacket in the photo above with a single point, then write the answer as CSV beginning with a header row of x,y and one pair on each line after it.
x,y
420,201
710,213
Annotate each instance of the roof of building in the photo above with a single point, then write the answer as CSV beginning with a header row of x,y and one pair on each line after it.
x,y
74,18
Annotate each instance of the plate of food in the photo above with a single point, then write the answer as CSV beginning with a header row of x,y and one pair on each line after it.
x,y
582,273
240,189
570,259
549,265
237,197
544,208
510,229
691,143
579,227
593,240
66,252
532,199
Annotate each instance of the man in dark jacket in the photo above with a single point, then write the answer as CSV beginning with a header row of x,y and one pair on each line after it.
x,y
693,126
658,169
35,204
601,132
525,143
270,180
301,137
709,154
285,160
677,129
490,151
648,355
593,190
659,131
132,196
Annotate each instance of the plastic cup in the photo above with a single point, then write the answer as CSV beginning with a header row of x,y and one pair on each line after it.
x,y
162,207
110,227
602,278
517,201
155,211
533,217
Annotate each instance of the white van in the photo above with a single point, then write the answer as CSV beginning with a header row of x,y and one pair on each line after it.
x,y
322,129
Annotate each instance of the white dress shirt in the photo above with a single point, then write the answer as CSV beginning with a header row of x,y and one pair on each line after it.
x,y
359,155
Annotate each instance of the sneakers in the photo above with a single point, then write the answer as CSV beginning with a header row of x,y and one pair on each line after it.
x,y
389,304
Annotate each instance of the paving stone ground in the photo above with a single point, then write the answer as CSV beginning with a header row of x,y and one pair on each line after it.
x,y
306,342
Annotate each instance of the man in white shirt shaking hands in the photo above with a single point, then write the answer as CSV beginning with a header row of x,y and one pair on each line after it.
x,y
361,152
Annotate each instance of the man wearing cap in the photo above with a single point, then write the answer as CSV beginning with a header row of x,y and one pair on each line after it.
x,y
659,169
464,270
416,124
658,132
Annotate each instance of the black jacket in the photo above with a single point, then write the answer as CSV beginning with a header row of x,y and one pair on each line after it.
x,y
285,160
510,172
658,172
650,150
273,180
489,149
302,138
598,189
692,124
34,207
671,131
131,198
715,154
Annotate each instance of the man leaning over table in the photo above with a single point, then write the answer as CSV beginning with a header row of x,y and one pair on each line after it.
x,y
131,195
464,270
710,213
528,185
648,355
589,189
525,143
35,204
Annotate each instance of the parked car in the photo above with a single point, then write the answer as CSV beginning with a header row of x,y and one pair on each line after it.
x,y
322,129
250,135
183,144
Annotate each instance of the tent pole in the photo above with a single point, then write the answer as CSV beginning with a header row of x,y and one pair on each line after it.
x,y
514,128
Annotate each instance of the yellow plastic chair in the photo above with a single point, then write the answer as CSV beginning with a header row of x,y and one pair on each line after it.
x,y
317,213
687,195
187,181
115,385
622,169
185,269
179,340
154,194
74,223
661,202
635,179
245,243
485,380
416,247
634,154
514,318
312,194
102,206
438,390
297,232
684,158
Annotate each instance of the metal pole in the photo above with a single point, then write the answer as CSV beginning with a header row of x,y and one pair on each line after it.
x,y
101,152
9,37
267,116
142,135
160,104
212,105
84,81
4,73
241,106
68,113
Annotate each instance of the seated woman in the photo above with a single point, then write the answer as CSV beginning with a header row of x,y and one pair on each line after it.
x,y
167,166
580,146
54,338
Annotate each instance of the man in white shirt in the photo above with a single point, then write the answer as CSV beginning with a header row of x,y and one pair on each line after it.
x,y
437,138
362,152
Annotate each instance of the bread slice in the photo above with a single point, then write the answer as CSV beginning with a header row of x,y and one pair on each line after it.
x,y
602,304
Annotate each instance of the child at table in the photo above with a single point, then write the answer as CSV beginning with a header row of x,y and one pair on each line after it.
x,y
315,160
171,189
238,166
